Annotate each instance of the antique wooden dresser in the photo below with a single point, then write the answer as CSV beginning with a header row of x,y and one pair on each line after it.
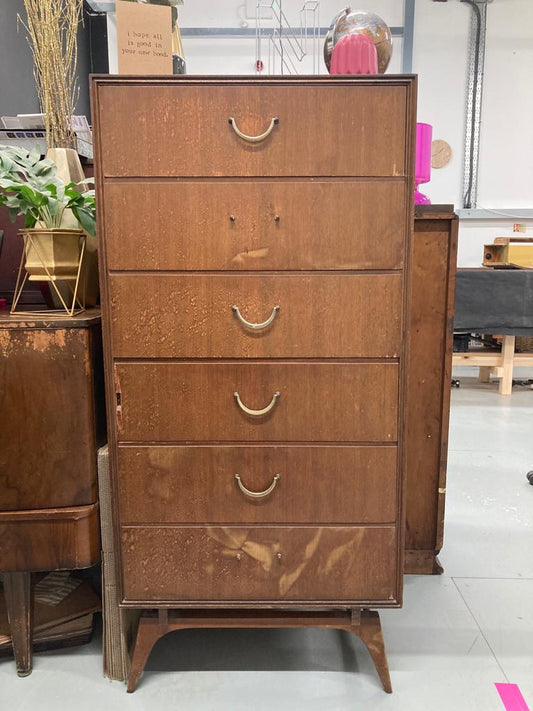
x,y
52,423
255,248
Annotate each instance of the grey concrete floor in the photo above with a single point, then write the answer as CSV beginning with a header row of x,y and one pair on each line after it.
x,y
456,635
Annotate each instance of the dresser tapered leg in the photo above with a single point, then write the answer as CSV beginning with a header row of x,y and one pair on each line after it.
x,y
148,632
17,592
369,630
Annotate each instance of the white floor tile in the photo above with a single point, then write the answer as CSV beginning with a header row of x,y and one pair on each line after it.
x,y
483,420
434,631
489,514
503,610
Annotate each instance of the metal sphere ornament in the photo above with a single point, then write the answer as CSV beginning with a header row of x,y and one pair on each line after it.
x,y
366,23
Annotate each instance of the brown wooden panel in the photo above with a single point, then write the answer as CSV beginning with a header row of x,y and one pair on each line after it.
x,y
321,225
191,316
428,391
50,539
316,484
48,433
341,402
259,564
182,129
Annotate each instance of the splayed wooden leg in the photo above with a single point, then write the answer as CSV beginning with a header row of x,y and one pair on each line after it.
x,y
17,592
369,631
149,631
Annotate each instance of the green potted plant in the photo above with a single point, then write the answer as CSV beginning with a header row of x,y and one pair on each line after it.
x,y
30,186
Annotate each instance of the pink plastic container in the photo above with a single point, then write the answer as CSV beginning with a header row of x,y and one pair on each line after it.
x,y
354,54
424,132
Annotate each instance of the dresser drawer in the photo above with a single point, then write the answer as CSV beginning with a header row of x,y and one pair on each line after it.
x,y
285,564
316,484
316,316
338,402
265,225
183,129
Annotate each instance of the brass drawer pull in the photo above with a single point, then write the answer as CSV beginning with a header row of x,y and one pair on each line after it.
x,y
253,139
255,326
257,413
257,494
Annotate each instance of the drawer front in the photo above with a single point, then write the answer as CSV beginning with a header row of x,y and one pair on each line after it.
x,y
329,128
331,564
339,402
192,315
260,225
315,485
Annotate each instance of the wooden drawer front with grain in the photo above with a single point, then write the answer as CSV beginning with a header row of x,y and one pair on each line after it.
x,y
184,130
276,316
260,225
287,484
300,401
286,564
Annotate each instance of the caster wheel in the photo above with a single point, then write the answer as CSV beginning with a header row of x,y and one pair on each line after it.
x,y
529,476
456,383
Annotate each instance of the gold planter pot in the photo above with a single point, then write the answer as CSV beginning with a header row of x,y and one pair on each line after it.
x,y
53,255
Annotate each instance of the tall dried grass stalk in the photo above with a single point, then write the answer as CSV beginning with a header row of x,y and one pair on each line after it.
x,y
52,27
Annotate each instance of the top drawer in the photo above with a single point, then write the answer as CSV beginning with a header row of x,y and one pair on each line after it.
x,y
182,129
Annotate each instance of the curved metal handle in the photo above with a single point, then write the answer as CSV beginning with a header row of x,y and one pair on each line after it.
x,y
257,494
253,139
257,413
255,326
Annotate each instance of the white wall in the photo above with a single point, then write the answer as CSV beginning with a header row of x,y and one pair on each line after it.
x,y
506,140
229,55
231,13
506,144
439,58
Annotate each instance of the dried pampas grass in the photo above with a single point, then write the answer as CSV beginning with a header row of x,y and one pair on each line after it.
x,y
52,27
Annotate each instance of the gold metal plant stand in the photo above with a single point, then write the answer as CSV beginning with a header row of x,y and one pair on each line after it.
x,y
77,303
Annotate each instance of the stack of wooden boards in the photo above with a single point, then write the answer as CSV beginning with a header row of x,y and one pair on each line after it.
x,y
509,253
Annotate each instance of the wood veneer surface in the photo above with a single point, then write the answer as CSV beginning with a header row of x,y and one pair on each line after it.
x,y
317,484
318,401
261,563
261,225
319,316
327,129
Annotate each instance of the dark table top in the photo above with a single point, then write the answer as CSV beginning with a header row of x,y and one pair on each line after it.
x,y
494,301
24,319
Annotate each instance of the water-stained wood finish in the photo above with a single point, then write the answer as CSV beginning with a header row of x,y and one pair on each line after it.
x,y
324,401
260,225
52,424
49,539
281,564
366,625
197,484
319,316
429,376
182,129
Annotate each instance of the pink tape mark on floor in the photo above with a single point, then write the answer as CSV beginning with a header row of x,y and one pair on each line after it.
x,y
512,698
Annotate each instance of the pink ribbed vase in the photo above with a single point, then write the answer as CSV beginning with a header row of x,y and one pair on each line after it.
x,y
354,54
423,161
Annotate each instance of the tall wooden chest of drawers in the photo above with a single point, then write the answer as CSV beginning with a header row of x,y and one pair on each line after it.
x,y
255,242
